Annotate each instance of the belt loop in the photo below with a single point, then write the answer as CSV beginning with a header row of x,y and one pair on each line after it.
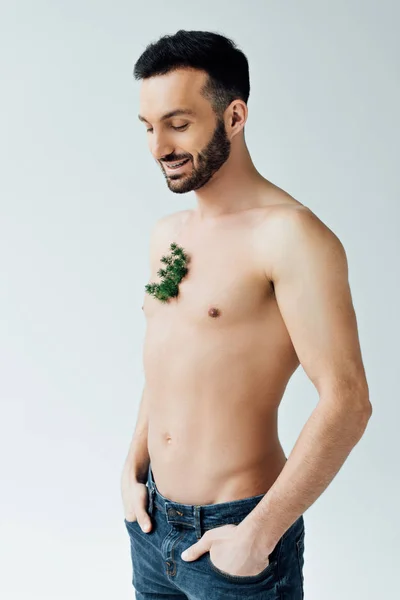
x,y
151,499
197,522
148,472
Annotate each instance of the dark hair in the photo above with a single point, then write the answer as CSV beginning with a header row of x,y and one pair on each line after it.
x,y
227,67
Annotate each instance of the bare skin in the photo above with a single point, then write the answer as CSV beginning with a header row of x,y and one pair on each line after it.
x,y
214,383
267,289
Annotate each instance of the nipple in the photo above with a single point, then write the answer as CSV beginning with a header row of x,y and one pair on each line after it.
x,y
214,312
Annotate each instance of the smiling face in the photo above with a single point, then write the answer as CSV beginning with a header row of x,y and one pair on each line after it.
x,y
181,125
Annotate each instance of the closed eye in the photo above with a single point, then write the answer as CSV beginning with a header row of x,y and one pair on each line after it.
x,y
181,128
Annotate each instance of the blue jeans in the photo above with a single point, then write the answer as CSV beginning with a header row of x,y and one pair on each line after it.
x,y
158,572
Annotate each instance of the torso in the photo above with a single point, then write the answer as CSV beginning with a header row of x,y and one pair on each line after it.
x,y
214,383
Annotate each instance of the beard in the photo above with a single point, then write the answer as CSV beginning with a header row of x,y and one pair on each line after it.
x,y
209,161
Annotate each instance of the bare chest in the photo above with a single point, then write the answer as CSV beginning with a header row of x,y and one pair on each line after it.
x,y
224,285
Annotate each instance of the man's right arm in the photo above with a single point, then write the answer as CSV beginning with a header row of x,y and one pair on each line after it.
x,y
137,461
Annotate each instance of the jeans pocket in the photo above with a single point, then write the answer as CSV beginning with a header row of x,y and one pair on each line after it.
x,y
267,573
131,524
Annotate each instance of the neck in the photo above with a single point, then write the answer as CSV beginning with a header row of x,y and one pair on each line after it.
x,y
235,187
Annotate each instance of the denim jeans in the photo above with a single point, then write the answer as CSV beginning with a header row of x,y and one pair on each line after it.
x,y
159,572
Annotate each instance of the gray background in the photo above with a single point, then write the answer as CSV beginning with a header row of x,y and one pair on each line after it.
x,y
79,192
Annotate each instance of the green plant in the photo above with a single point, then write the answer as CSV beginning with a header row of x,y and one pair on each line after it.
x,y
171,276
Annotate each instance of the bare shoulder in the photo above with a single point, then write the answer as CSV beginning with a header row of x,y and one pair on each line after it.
x,y
287,216
290,232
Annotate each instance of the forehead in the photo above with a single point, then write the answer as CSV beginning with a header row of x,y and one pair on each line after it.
x,y
174,90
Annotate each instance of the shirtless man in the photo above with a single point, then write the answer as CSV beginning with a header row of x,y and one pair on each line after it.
x,y
266,289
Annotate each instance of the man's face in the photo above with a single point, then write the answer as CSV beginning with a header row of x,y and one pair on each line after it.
x,y
196,136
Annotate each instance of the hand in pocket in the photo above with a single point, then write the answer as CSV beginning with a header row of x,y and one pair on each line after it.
x,y
135,501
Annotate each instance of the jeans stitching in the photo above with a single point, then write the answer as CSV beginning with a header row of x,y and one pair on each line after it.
x,y
172,551
299,543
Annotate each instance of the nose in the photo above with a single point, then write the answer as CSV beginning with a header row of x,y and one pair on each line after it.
x,y
160,146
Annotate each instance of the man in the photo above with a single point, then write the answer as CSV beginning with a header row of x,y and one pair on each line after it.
x,y
266,289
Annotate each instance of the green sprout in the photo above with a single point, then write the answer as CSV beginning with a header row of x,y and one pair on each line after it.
x,y
172,275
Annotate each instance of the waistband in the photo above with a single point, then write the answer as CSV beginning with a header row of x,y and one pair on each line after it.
x,y
199,516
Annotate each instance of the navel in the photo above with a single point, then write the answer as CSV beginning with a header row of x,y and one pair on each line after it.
x,y
214,312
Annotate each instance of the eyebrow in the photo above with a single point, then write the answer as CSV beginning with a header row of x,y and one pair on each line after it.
x,y
172,113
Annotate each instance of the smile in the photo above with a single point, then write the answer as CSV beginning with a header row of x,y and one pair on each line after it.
x,y
176,166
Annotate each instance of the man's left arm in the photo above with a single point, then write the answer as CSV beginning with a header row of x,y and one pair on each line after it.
x,y
310,276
